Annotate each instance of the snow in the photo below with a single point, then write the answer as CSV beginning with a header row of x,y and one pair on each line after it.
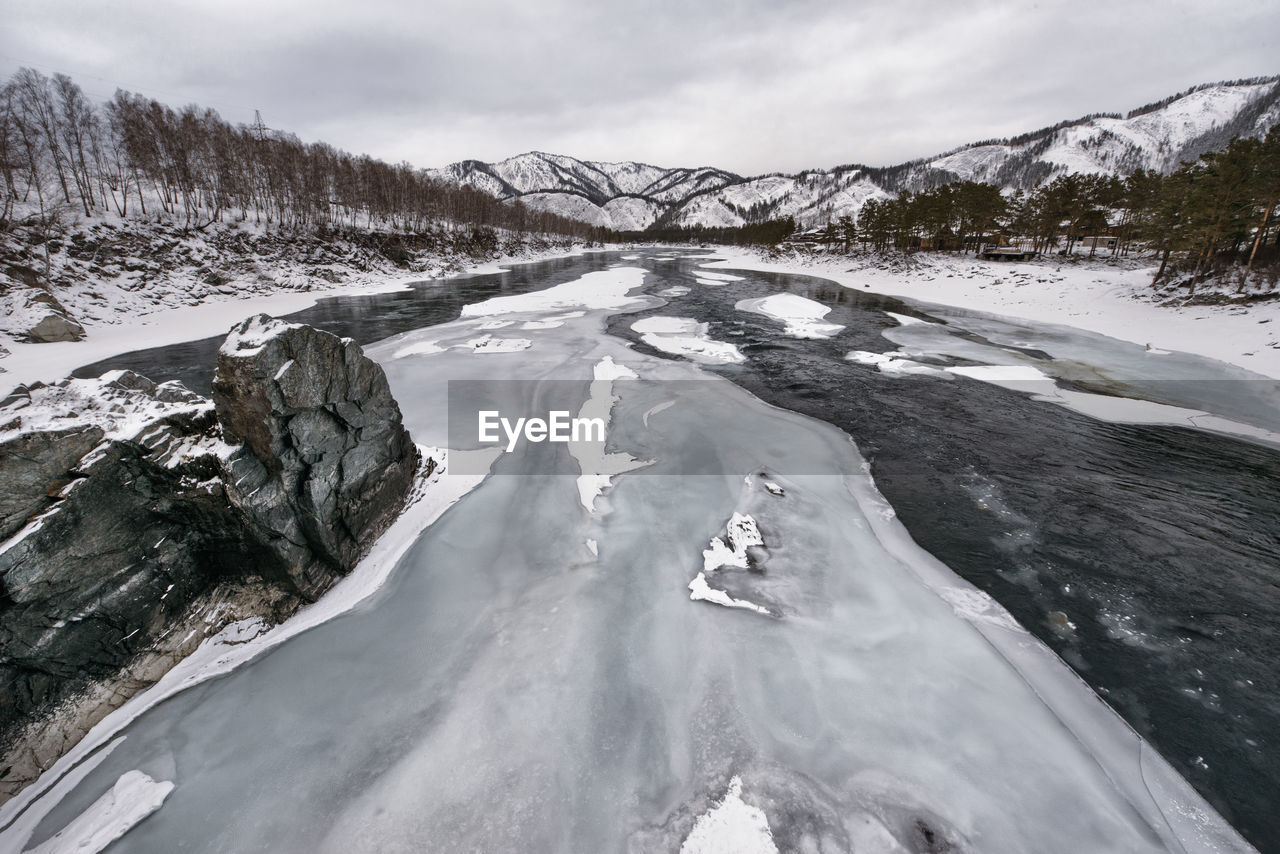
x,y
608,369
490,344
596,466
802,317
121,413
637,194
1093,296
684,336
254,336
700,591
605,289
742,533
717,277
894,362
134,797
905,319
731,827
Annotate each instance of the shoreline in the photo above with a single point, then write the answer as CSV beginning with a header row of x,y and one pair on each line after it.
x,y
1092,296
26,363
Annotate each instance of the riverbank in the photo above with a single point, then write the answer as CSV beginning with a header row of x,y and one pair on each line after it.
x,y
1096,296
137,325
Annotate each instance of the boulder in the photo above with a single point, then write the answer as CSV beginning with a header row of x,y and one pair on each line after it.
x,y
50,326
326,464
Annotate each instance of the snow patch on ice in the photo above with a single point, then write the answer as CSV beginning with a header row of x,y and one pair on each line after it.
x,y
134,797
895,362
718,277
422,348
802,317
731,827
490,344
597,467
906,319
684,336
604,289
700,591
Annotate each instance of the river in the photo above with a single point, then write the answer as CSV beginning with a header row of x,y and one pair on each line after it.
x,y
533,675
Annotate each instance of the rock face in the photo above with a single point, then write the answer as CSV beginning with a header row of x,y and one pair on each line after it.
x,y
326,463
114,521
136,519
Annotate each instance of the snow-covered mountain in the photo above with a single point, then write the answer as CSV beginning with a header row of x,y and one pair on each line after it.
x,y
631,196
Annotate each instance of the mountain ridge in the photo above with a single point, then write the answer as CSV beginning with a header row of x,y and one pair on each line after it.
x,y
630,195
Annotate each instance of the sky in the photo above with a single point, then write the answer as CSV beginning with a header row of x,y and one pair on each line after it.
x,y
751,86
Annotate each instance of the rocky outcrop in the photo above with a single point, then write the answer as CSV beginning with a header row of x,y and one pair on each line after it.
x,y
137,519
325,463
36,316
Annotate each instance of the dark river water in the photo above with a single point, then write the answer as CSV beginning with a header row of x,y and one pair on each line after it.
x,y
1147,557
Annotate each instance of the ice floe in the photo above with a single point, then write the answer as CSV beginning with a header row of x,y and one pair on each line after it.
x,y
134,797
684,336
801,317
731,827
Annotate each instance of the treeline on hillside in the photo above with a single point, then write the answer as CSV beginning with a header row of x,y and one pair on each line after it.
x,y
133,155
1216,213
768,233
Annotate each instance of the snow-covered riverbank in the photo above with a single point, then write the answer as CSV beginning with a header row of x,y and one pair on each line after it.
x,y
1095,296
137,326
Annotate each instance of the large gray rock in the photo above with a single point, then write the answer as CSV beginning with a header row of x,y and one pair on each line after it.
x,y
51,326
326,464
127,508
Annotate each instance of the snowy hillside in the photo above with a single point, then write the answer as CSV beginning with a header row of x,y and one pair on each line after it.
x,y
631,196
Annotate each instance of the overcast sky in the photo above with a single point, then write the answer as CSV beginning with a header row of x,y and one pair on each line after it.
x,y
750,86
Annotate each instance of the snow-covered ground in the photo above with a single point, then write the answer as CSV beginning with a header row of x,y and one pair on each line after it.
x,y
1095,296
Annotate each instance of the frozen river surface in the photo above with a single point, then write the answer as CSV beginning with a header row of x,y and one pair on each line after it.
x,y
535,676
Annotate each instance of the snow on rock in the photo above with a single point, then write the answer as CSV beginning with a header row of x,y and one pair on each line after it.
x,y
119,403
802,317
253,334
684,336
731,827
741,533
134,797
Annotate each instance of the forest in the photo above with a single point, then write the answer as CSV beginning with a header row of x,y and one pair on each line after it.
x,y
135,156
1214,216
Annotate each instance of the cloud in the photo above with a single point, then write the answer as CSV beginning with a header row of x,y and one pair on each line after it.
x,y
748,85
